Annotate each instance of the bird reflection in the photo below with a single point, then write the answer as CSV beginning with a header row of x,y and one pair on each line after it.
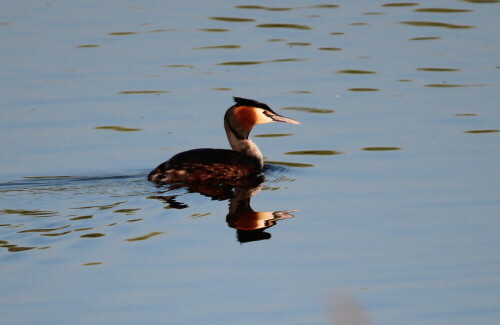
x,y
249,224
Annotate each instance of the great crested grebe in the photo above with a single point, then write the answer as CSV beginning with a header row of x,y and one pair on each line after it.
x,y
200,165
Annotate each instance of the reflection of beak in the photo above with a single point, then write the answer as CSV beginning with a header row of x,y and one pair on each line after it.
x,y
279,118
280,215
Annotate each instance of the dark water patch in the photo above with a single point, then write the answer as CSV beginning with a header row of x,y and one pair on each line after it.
x,y
144,237
232,19
288,26
93,235
481,131
466,114
298,44
42,229
358,24
337,33
400,4
363,89
353,71
309,109
438,69
404,80
277,40
315,152
121,33
177,66
4,23
135,220
373,13
222,89
289,164
116,128
214,30
92,263
330,49
29,213
273,135
215,47
142,92
435,24
428,38
441,10
87,45
380,148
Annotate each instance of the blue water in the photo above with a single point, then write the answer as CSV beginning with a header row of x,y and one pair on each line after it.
x,y
394,169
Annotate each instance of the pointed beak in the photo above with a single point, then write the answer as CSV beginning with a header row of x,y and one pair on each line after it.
x,y
279,118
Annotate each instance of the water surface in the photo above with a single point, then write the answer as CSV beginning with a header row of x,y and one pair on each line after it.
x,y
394,169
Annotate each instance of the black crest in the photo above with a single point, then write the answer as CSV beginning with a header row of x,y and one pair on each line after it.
x,y
250,102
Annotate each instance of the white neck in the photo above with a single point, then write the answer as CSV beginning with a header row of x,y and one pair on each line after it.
x,y
245,146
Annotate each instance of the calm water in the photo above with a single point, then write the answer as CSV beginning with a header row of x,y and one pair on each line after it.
x,y
394,169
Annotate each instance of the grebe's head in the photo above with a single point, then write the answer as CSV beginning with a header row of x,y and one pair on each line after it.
x,y
245,113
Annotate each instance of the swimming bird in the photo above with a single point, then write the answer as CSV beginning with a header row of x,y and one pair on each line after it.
x,y
223,165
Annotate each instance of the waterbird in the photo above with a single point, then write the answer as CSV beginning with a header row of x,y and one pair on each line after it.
x,y
207,165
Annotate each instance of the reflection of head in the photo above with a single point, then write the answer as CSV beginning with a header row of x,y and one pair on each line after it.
x,y
250,225
246,236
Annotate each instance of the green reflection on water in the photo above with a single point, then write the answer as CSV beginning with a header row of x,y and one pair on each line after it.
x,y
263,8
380,148
87,45
232,19
438,69
353,71
400,4
482,131
288,164
291,26
218,47
435,24
121,33
116,128
260,62
93,235
330,48
441,10
424,38
315,152
43,229
272,135
363,89
214,30
152,234
32,213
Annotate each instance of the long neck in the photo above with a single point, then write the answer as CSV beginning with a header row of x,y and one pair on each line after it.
x,y
244,145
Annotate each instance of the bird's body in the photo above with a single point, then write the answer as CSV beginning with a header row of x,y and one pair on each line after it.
x,y
209,165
